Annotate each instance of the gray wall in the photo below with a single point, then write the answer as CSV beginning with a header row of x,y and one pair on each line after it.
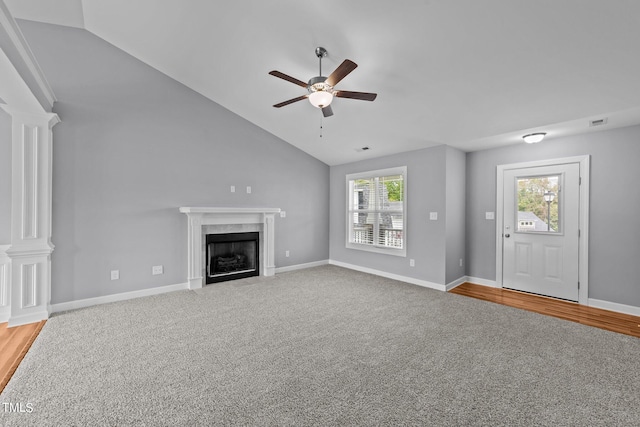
x,y
455,214
614,245
426,240
5,178
133,146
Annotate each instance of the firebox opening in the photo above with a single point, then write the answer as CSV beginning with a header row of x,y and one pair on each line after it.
x,y
232,256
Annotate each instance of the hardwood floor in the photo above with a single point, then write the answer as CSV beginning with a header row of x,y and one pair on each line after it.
x,y
599,318
15,342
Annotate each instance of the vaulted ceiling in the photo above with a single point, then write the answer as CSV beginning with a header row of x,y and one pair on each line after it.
x,y
470,74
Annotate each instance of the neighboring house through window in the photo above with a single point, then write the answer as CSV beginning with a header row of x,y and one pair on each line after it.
x,y
376,211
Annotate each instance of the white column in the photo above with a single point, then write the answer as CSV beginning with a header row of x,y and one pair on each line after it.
x,y
194,256
269,239
31,247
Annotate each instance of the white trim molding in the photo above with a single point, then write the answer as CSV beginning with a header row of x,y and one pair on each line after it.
x,y
483,282
26,88
301,266
614,306
201,217
406,279
89,302
455,283
583,222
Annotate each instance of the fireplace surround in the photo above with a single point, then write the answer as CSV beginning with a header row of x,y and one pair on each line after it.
x,y
208,220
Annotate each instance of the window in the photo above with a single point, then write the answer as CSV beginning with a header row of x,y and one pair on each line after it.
x,y
376,206
539,199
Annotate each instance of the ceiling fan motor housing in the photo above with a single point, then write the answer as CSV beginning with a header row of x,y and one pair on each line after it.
x,y
318,83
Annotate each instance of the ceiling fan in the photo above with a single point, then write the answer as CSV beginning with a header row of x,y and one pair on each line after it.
x,y
321,89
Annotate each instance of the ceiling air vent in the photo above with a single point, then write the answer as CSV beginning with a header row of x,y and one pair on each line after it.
x,y
598,122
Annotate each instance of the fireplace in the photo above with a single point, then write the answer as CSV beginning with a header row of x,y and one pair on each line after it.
x,y
231,256
203,221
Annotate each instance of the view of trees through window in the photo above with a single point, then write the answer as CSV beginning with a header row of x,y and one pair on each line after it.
x,y
538,203
395,188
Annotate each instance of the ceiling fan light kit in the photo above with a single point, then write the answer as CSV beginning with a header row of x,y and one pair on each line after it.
x,y
321,98
321,89
320,93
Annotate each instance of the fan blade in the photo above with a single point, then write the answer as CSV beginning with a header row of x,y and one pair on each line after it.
x,y
327,111
341,72
291,101
364,96
288,78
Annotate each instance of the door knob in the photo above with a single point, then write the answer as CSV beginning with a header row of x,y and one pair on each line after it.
x,y
507,235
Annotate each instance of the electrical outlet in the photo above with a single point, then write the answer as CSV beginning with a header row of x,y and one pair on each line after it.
x,y
460,262
115,274
233,188
157,269
286,253
248,189
412,263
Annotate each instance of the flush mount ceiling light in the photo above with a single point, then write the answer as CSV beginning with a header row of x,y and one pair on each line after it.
x,y
532,138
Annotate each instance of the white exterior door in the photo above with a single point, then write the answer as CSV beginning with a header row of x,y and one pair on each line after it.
x,y
540,236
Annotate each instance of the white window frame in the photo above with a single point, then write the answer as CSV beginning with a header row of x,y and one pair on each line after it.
x,y
400,170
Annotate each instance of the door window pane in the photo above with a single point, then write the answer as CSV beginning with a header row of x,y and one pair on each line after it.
x,y
538,202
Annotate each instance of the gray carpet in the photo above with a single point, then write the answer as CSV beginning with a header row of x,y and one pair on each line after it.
x,y
323,346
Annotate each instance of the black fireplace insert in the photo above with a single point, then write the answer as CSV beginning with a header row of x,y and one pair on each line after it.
x,y
232,256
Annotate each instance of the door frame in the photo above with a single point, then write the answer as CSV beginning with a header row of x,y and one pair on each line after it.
x,y
583,220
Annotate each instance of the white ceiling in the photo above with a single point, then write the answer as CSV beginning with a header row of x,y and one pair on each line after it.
x,y
470,74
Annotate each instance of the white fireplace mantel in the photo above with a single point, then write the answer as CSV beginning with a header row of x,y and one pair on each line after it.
x,y
201,217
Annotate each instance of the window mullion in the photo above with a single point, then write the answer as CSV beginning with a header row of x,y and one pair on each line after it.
x,y
376,213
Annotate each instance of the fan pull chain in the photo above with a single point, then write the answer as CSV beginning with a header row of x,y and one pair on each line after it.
x,y
321,126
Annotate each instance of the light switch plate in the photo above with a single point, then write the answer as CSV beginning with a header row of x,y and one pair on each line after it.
x,y
433,216
283,214
248,189
489,215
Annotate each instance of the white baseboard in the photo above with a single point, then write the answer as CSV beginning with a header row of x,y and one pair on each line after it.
x,y
413,281
614,306
456,282
483,282
301,266
25,319
73,305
